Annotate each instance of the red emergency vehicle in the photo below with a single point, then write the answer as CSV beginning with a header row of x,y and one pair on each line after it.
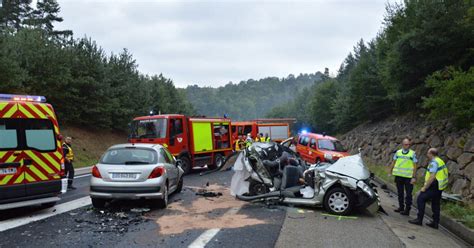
x,y
314,148
277,131
196,141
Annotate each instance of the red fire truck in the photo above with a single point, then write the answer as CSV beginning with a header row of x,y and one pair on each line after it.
x,y
277,131
196,141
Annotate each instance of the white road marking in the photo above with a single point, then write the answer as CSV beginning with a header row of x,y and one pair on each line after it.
x,y
86,175
46,213
206,236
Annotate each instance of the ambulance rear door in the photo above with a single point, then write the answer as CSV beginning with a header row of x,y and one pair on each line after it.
x,y
11,160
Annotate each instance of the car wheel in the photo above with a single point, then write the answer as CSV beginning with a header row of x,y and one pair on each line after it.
x,y
257,188
163,203
218,162
180,185
185,164
98,203
338,201
48,205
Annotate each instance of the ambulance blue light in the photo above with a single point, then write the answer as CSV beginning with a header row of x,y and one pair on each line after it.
x,y
304,131
22,98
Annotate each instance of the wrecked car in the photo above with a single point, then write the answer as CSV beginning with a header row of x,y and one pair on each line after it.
x,y
273,172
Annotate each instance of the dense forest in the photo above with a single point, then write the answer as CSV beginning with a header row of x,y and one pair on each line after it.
x,y
422,61
249,99
86,86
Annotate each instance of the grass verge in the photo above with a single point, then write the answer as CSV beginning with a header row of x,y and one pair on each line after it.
x,y
88,145
463,213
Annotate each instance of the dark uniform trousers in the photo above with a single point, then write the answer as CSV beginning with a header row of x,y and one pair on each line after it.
x,y
405,190
433,194
69,170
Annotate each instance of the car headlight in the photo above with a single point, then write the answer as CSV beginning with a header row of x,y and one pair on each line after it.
x,y
328,156
366,188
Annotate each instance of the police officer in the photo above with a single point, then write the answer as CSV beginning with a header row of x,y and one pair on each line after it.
x,y
436,180
404,169
68,159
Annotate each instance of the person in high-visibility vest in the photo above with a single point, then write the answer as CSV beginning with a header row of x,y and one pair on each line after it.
x,y
404,169
260,138
239,143
267,138
436,180
249,140
68,159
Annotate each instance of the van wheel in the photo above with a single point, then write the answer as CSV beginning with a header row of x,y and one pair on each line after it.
x,y
338,201
218,162
163,203
185,164
98,203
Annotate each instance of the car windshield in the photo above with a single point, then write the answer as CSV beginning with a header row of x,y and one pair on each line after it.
x,y
130,156
331,145
151,128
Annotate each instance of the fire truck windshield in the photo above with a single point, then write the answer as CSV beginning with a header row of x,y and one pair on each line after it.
x,y
151,128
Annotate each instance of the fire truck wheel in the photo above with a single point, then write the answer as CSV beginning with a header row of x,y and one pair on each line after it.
x,y
218,162
98,203
185,164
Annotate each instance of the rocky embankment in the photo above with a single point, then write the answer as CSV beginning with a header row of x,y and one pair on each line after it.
x,y
380,140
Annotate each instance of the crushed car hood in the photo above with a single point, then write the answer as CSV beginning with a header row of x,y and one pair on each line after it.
x,y
351,166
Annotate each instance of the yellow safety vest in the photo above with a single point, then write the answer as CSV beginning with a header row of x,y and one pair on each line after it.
x,y
70,153
237,145
404,164
267,139
441,174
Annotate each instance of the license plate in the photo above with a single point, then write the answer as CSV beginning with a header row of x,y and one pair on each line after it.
x,y
124,175
7,171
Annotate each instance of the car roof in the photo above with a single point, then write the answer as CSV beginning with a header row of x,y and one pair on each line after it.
x,y
319,136
139,145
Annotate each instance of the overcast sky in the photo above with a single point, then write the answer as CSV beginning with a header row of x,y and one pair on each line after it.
x,y
210,43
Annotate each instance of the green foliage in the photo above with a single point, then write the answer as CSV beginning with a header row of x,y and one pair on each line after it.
x,y
249,99
86,86
388,74
453,95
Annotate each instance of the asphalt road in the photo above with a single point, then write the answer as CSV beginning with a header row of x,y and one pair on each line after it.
x,y
196,221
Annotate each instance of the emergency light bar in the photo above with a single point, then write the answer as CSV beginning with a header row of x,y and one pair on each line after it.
x,y
22,98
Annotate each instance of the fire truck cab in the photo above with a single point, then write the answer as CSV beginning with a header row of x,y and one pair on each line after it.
x,y
31,158
195,141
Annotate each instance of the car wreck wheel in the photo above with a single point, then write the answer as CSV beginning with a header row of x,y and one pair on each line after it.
x,y
338,201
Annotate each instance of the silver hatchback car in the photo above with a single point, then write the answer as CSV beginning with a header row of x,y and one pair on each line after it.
x,y
135,171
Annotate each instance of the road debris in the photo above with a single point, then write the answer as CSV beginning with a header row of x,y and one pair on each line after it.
x,y
140,210
207,193
341,217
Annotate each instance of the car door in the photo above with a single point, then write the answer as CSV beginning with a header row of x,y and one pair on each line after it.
x,y
303,147
178,142
170,165
312,150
